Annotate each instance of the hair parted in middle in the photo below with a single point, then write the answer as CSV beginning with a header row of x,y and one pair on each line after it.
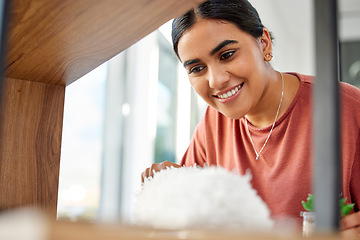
x,y
239,12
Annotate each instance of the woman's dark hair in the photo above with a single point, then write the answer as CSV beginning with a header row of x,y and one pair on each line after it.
x,y
239,12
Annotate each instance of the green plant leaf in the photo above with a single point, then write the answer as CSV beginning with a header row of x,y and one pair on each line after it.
x,y
345,209
308,206
342,202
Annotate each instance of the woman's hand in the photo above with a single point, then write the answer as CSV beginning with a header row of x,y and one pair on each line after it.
x,y
350,225
149,172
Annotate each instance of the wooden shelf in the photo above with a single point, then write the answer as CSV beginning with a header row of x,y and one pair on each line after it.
x,y
38,226
72,231
50,45
59,41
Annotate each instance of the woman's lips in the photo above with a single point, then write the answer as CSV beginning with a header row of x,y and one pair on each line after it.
x,y
230,93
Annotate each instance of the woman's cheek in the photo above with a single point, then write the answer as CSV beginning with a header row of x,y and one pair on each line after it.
x,y
198,84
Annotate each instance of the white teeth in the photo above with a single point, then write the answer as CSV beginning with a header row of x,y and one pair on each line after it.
x,y
229,93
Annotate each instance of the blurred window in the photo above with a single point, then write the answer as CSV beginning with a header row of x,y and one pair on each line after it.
x,y
350,62
134,110
81,150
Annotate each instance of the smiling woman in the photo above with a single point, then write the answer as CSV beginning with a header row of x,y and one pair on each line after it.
x,y
215,70
259,119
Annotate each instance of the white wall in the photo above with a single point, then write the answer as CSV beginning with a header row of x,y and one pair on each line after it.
x,y
291,22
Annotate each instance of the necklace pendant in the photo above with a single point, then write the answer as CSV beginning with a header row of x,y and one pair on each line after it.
x,y
273,125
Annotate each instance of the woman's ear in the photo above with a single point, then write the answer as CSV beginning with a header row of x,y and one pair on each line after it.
x,y
266,43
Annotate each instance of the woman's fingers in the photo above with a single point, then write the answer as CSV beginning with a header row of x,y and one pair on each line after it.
x,y
350,226
156,167
144,174
351,233
350,221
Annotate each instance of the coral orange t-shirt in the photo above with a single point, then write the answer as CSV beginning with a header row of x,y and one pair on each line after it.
x,y
282,175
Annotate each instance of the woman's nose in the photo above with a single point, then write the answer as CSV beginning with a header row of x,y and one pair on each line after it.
x,y
218,78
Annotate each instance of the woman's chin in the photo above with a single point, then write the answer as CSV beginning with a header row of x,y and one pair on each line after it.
x,y
232,115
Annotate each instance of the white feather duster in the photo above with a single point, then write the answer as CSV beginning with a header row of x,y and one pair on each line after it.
x,y
194,197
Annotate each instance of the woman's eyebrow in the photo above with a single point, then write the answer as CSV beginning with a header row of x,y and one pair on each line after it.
x,y
215,50
191,62
221,45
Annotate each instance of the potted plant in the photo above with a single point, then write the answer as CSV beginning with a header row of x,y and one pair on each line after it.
x,y
309,214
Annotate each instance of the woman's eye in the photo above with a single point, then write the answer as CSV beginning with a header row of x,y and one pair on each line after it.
x,y
196,69
226,55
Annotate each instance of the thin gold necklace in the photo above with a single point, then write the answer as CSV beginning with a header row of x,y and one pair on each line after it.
x,y
273,125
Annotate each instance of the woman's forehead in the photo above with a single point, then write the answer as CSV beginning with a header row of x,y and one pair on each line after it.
x,y
206,34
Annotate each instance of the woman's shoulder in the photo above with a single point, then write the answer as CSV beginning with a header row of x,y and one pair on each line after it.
x,y
304,78
350,93
208,119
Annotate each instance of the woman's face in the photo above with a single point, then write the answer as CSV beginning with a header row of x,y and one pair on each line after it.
x,y
225,66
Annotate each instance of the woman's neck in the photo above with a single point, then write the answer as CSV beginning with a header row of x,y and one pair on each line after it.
x,y
270,105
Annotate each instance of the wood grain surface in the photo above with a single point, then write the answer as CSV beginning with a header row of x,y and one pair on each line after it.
x,y
59,41
25,224
30,144
71,231
51,44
